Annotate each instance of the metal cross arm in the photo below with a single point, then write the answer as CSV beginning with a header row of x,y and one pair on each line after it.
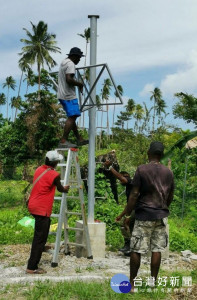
x,y
92,88
104,66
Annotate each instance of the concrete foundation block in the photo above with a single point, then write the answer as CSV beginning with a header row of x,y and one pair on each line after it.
x,y
97,232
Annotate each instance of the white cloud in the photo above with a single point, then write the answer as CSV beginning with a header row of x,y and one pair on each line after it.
x,y
133,34
149,87
9,65
184,80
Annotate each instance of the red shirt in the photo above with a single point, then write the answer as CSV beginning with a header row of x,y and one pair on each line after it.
x,y
42,195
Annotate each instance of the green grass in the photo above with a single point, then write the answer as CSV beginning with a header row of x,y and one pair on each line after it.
x,y
182,235
182,232
11,193
10,231
78,291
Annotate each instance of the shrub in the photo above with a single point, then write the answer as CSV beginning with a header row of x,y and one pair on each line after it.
x,y
181,237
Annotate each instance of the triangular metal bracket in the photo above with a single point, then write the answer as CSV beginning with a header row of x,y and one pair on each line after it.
x,y
85,105
88,97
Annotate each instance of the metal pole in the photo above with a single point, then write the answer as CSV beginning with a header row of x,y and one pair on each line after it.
x,y
184,186
92,119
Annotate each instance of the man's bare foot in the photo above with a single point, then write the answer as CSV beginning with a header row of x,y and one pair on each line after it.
x,y
37,271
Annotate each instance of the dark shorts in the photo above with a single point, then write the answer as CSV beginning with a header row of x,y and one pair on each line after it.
x,y
71,107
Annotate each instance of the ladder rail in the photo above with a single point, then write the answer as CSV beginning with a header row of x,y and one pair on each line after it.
x,y
81,195
68,173
61,219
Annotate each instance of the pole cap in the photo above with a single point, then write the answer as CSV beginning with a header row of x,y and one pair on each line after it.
x,y
91,16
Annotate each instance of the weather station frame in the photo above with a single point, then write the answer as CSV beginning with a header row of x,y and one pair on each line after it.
x,y
88,96
89,103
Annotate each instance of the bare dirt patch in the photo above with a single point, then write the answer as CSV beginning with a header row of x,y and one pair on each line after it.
x,y
13,261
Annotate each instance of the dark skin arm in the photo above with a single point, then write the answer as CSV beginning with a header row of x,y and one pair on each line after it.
x,y
119,176
71,80
118,218
132,200
170,197
60,187
122,179
130,205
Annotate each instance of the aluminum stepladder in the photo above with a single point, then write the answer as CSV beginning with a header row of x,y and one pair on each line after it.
x,y
66,171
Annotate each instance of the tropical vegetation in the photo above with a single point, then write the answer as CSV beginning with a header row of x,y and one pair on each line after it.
x,y
36,127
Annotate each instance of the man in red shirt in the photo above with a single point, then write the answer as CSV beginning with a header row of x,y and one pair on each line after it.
x,y
40,206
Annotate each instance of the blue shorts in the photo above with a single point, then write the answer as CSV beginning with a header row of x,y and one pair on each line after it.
x,y
71,107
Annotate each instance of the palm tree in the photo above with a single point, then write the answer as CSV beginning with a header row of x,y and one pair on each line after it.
x,y
38,47
29,78
139,112
105,96
2,99
10,83
15,103
161,105
156,96
130,108
24,66
122,118
86,36
120,90
147,112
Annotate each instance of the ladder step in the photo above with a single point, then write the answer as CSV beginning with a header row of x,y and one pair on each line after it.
x,y
62,149
55,215
74,228
70,181
73,213
62,165
72,197
75,244
52,233
70,171
57,198
75,186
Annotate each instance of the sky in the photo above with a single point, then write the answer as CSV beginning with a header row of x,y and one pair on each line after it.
x,y
146,43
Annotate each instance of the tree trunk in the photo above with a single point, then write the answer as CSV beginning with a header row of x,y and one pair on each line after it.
x,y
39,82
7,102
153,127
19,89
107,107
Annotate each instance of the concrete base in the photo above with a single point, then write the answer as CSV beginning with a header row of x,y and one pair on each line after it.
x,y
97,232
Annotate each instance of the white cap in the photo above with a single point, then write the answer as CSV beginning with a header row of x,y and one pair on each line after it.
x,y
54,155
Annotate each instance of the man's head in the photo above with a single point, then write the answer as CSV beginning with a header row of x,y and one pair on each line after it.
x,y
75,55
156,150
52,158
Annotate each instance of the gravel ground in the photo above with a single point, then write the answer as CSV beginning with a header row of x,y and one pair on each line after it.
x,y
13,259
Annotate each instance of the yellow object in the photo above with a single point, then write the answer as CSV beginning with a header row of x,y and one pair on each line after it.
x,y
53,227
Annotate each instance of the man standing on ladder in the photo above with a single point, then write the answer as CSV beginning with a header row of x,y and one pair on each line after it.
x,y
67,97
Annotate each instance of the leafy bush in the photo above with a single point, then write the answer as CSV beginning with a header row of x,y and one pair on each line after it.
x,y
11,232
181,237
11,193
